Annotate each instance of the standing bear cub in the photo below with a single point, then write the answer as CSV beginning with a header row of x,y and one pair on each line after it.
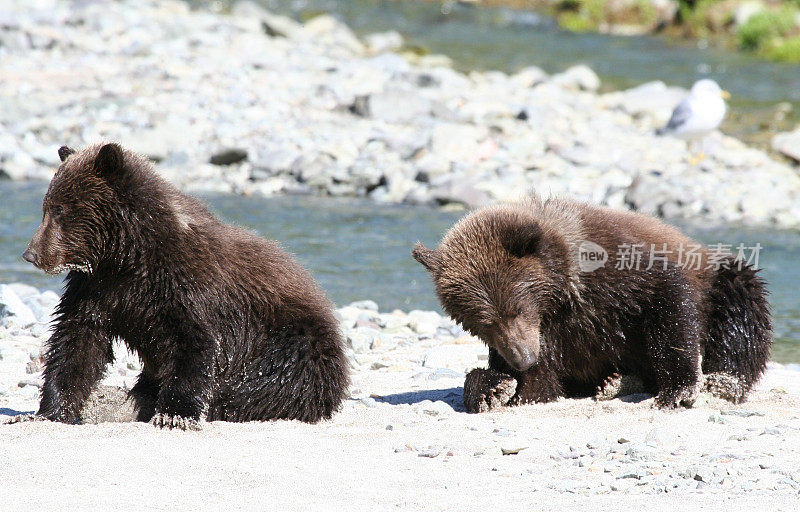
x,y
227,325
566,294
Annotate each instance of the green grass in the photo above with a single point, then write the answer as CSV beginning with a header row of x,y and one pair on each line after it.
x,y
580,15
773,34
787,50
765,26
587,15
699,18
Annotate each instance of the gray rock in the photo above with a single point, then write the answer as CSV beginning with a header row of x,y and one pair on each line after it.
x,y
12,310
394,105
458,192
270,162
622,484
661,437
13,355
529,77
363,339
369,402
380,42
228,156
24,291
369,305
651,98
327,29
424,322
580,77
31,381
159,142
49,298
272,24
17,167
596,443
430,452
703,474
451,356
788,143
642,452
437,408
742,413
445,373
457,142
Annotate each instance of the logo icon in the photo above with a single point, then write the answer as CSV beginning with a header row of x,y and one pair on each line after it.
x,y
591,256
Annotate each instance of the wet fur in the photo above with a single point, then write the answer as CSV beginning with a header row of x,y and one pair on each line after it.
x,y
665,324
228,326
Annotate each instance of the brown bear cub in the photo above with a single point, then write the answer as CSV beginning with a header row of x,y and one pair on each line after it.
x,y
228,326
537,282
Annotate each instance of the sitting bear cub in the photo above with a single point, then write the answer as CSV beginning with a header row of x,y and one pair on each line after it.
x,y
227,325
548,287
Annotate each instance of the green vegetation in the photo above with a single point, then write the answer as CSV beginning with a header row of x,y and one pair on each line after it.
x,y
774,34
762,28
586,15
788,50
701,18
580,15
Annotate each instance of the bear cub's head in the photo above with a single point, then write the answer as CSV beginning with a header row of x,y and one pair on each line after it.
x,y
494,274
80,211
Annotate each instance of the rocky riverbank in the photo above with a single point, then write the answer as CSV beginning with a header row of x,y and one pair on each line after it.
x,y
404,422
257,103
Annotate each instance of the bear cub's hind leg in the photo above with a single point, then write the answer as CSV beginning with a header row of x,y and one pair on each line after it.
x,y
672,331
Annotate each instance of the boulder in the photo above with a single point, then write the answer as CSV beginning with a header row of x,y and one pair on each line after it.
x,y
12,310
788,144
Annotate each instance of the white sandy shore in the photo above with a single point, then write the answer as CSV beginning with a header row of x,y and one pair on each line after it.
x,y
411,447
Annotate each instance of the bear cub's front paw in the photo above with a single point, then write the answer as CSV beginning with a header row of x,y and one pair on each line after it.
x,y
163,420
485,390
674,398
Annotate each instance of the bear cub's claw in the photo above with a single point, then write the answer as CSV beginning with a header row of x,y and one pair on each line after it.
x,y
485,390
162,420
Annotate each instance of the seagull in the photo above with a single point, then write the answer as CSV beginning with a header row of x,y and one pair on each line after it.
x,y
698,114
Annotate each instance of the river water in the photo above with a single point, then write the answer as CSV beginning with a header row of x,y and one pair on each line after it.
x,y
361,250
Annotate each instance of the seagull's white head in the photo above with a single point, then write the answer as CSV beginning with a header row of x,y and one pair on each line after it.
x,y
707,88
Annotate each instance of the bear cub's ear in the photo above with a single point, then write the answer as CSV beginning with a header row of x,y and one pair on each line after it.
x,y
521,239
108,163
64,152
429,258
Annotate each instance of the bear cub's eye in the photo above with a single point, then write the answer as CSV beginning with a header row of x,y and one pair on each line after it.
x,y
57,210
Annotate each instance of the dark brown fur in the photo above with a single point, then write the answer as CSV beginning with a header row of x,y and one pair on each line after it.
x,y
227,325
510,275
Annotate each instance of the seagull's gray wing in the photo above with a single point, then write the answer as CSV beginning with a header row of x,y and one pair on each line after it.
x,y
680,115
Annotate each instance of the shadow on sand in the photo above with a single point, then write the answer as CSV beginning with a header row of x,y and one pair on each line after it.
x,y
4,411
454,397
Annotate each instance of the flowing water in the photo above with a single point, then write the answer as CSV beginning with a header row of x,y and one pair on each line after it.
x,y
360,250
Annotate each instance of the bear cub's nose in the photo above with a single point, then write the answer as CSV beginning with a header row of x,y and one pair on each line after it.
x,y
31,257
